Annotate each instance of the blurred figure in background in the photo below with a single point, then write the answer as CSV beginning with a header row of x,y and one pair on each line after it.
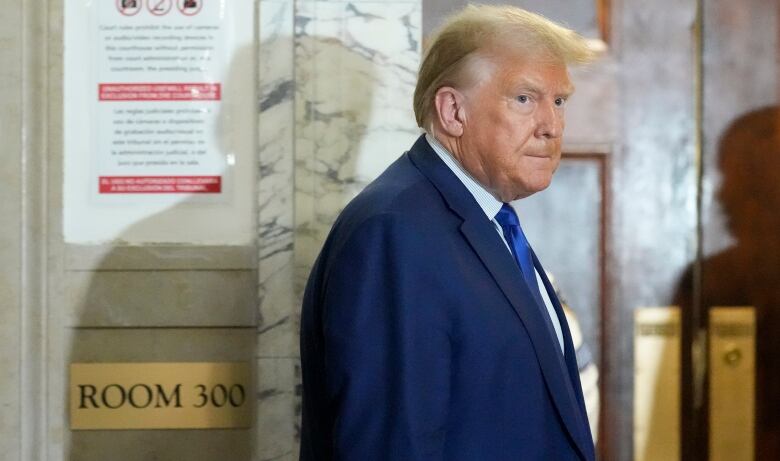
x,y
589,372
747,272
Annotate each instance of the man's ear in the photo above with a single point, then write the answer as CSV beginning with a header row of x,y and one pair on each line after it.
x,y
450,112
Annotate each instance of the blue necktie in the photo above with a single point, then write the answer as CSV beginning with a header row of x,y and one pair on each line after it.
x,y
521,250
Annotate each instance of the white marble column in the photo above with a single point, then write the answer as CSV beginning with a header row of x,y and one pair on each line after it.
x,y
336,80
277,355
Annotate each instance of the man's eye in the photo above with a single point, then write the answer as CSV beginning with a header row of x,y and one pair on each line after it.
x,y
522,99
560,102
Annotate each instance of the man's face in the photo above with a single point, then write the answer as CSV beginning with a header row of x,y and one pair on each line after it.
x,y
512,126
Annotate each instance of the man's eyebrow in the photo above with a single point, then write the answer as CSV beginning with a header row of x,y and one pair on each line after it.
x,y
567,91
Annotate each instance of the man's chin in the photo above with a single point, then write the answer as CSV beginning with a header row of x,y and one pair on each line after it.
x,y
531,189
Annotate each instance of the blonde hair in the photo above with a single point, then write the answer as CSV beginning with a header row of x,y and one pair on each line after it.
x,y
449,60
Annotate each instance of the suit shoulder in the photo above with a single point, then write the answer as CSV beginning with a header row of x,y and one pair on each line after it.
x,y
401,192
401,207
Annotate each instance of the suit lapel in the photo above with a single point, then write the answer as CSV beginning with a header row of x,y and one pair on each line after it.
x,y
569,362
484,239
508,277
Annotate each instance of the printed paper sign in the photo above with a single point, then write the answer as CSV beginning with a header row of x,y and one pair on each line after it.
x,y
159,77
158,111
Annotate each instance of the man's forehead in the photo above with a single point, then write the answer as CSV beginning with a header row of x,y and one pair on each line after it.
x,y
542,71
539,76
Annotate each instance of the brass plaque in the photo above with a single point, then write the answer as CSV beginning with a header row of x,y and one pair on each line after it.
x,y
657,384
160,395
732,383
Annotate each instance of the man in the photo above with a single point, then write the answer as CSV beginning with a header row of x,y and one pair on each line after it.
x,y
429,329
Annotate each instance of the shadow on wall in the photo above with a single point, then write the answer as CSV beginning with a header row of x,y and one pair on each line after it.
x,y
747,273
333,117
178,302
150,303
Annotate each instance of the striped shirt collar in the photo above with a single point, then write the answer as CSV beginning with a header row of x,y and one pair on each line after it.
x,y
489,204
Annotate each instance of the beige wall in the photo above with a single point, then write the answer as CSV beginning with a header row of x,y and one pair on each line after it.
x,y
23,105
61,303
10,231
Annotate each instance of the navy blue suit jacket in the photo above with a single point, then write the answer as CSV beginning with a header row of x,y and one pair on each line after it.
x,y
419,340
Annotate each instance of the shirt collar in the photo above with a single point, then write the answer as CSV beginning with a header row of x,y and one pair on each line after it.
x,y
489,204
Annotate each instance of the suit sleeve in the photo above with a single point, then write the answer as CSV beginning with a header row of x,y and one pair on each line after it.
x,y
387,348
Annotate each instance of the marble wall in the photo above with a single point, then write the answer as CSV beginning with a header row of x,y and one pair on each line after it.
x,y
335,100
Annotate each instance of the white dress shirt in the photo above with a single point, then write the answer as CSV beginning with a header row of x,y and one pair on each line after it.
x,y
491,206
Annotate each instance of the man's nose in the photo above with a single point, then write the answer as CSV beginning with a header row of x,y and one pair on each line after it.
x,y
549,123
